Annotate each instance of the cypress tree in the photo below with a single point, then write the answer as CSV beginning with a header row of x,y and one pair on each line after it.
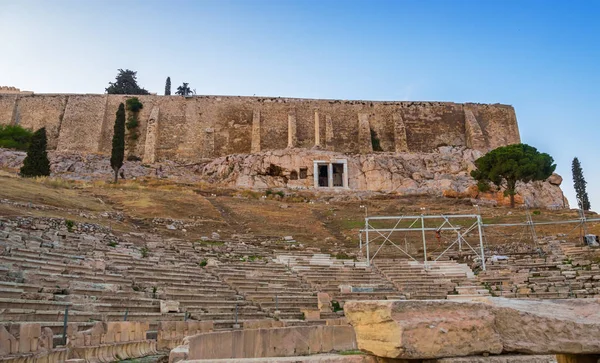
x,y
118,142
168,87
36,162
579,183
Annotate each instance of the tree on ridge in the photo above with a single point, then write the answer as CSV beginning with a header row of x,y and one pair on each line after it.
x,y
125,84
506,165
579,184
184,90
168,87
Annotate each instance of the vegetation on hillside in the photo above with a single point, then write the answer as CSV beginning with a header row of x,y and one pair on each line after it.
x,y
126,84
579,183
507,165
134,105
36,162
15,137
118,142
375,141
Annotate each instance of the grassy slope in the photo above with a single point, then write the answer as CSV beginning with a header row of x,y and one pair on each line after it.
x,y
318,224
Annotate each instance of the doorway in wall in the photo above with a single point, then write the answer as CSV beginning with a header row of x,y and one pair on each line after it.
x,y
338,174
323,175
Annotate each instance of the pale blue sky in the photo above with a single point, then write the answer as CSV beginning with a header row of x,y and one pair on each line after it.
x,y
541,57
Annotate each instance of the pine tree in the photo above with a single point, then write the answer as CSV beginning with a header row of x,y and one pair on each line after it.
x,y
125,84
579,183
168,87
118,142
36,162
506,165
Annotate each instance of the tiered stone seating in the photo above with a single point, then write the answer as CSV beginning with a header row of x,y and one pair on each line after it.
x,y
46,272
558,270
270,285
342,279
416,282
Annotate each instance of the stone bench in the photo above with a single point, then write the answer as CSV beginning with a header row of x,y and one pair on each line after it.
x,y
29,342
109,342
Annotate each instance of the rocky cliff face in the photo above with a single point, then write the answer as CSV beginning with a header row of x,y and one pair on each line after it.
x,y
442,173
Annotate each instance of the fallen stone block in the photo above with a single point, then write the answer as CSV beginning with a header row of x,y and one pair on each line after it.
x,y
442,328
169,306
423,329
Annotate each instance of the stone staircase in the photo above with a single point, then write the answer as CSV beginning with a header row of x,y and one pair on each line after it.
x,y
411,278
342,279
273,287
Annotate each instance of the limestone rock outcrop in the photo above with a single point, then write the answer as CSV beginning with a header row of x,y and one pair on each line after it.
x,y
442,173
441,328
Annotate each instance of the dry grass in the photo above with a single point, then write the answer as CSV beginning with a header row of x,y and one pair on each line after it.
x,y
47,192
231,211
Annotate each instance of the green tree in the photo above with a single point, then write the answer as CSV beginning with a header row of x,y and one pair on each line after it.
x,y
118,142
125,84
168,87
184,90
15,137
507,165
579,183
36,162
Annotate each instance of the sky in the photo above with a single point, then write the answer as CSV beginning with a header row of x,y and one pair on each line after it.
x,y
541,57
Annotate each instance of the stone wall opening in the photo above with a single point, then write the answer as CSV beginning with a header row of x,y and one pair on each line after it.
x,y
303,173
331,174
323,175
338,174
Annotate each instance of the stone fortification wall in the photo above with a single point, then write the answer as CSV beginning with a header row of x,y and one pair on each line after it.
x,y
193,128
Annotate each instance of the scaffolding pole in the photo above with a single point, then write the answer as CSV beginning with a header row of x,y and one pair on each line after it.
x,y
481,242
424,242
367,240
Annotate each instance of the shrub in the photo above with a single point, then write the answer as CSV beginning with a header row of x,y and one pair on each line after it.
x,y
375,141
336,306
70,224
203,263
15,137
134,104
144,251
112,244
132,123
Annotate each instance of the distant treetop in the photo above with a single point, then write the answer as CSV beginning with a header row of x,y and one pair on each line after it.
x,y
184,90
126,84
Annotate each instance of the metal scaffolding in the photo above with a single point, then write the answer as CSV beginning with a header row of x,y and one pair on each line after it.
x,y
418,224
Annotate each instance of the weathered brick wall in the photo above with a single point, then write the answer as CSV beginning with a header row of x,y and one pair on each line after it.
x,y
209,126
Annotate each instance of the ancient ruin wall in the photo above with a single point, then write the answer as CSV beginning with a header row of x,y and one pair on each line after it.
x,y
200,127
